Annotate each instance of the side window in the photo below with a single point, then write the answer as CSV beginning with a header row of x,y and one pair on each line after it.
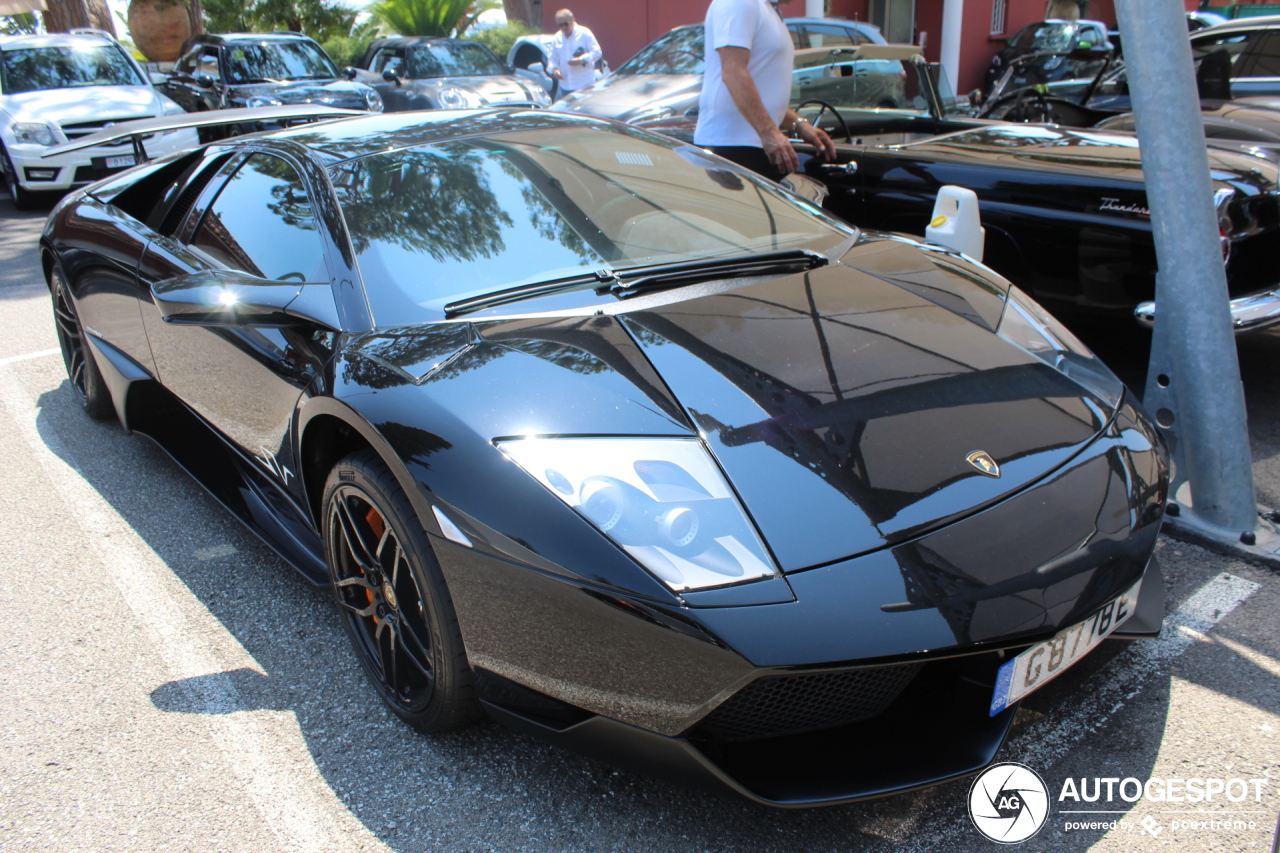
x,y
207,63
262,223
1232,46
1265,57
389,60
187,64
824,36
797,37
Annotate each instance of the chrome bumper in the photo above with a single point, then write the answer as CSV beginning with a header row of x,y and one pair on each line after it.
x,y
1247,312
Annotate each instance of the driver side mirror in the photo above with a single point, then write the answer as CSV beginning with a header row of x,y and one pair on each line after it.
x,y
975,98
230,298
391,77
350,72
204,81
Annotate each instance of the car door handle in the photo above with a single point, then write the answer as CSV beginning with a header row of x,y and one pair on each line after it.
x,y
850,168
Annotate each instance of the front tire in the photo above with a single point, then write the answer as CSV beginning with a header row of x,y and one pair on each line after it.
x,y
393,598
86,380
23,199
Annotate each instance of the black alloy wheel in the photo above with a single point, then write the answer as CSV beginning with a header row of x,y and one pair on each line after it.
x,y
22,199
393,598
86,380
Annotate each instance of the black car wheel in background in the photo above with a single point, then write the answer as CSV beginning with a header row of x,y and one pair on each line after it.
x,y
392,597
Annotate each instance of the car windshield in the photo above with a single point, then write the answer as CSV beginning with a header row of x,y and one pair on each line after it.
x,y
455,59
1045,36
272,61
678,52
439,223
33,69
865,84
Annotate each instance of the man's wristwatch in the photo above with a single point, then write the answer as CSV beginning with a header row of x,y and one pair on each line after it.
x,y
795,125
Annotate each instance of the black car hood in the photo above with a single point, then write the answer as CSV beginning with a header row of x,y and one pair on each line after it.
x,y
843,407
1110,157
331,92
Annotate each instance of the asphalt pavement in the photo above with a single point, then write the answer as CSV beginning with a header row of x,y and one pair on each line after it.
x,y
168,683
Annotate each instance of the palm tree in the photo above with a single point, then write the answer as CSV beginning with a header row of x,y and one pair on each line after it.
x,y
426,17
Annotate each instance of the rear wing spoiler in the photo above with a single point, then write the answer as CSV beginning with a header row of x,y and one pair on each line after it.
x,y
136,130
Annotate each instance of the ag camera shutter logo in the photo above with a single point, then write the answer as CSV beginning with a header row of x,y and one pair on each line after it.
x,y
1008,803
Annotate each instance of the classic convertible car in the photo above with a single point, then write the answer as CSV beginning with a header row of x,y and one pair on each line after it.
x,y
621,444
1065,210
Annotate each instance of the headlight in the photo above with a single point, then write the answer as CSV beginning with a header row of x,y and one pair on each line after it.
x,y
662,500
373,101
1025,324
32,133
537,95
263,101
452,98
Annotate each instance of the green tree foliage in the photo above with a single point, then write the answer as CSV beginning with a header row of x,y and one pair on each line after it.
x,y
347,50
320,19
23,23
500,39
426,17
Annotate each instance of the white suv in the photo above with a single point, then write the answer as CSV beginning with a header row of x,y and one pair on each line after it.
x,y
60,87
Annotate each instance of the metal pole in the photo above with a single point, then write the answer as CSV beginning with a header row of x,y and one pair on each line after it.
x,y
1193,387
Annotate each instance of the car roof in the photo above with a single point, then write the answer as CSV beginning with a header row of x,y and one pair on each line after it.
x,y
338,141
411,41
52,40
1252,22
227,38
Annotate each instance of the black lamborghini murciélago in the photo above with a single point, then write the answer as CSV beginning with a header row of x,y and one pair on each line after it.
x,y
597,433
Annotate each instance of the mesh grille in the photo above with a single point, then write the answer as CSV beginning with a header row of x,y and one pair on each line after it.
x,y
787,704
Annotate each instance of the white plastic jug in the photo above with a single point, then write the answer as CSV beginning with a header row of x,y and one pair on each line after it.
x,y
956,222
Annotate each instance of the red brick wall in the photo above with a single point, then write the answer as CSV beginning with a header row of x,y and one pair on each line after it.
x,y
624,28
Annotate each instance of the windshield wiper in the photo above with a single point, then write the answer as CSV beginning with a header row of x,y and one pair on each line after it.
x,y
525,291
634,280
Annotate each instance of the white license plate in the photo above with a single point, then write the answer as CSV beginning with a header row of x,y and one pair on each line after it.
x,y
1043,662
120,162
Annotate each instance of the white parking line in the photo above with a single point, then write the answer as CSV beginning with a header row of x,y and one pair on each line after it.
x,y
1041,743
1044,742
29,355
289,793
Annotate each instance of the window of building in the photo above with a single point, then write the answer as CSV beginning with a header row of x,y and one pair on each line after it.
x,y
999,11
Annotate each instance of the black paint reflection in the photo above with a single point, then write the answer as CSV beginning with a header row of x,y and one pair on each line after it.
x,y
843,408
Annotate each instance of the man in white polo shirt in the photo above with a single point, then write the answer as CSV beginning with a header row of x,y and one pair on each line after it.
x,y
574,54
746,87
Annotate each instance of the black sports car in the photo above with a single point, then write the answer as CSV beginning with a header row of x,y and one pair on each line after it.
x,y
1065,210
603,436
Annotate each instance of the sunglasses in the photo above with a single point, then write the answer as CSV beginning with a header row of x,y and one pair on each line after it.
x,y
565,24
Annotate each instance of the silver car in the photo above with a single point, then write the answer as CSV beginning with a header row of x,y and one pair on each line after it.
x,y
429,73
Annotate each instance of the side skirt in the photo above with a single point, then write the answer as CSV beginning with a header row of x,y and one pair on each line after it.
x,y
204,454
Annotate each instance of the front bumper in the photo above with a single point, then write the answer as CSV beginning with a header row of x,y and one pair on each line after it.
x,y
62,172
1248,313
740,698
